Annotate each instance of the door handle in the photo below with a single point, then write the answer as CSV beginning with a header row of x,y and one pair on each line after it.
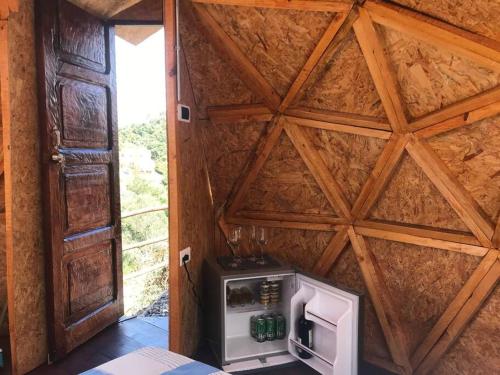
x,y
58,158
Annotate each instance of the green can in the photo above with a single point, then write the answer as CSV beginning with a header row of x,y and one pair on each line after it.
x,y
280,327
270,327
260,329
253,326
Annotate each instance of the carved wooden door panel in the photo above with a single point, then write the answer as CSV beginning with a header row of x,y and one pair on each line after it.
x,y
78,131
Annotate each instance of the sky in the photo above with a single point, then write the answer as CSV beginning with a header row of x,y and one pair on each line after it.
x,y
140,77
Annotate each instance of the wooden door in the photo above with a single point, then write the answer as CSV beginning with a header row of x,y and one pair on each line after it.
x,y
79,151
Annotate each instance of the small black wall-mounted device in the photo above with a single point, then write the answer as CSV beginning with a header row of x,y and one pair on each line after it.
x,y
183,113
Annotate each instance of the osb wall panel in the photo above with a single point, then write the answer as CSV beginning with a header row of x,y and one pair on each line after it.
x,y
296,247
422,281
285,184
227,148
346,272
343,83
430,77
196,216
472,353
213,80
473,155
277,41
350,158
478,16
411,198
29,278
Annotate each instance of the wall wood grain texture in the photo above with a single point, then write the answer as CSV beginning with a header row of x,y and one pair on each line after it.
x,y
421,281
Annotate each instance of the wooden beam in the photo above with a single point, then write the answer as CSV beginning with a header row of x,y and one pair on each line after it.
x,y
461,108
420,237
256,162
367,132
380,176
480,49
5,114
331,253
323,227
381,299
336,44
289,216
339,118
458,198
380,70
239,113
174,229
463,119
313,59
317,5
461,320
240,63
452,310
496,236
319,170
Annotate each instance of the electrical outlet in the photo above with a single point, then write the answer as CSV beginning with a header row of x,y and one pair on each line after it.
x,y
185,252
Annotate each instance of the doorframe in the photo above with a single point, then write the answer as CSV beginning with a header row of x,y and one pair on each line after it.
x,y
174,315
170,31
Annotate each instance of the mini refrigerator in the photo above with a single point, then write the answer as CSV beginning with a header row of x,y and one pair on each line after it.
x,y
335,313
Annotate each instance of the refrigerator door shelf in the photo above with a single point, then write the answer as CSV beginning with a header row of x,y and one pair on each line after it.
x,y
335,333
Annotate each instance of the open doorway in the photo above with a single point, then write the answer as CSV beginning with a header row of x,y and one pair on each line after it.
x,y
140,74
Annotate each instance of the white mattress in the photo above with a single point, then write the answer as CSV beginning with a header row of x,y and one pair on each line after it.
x,y
154,361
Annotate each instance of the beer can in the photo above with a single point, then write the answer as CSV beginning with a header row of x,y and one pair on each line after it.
x,y
260,329
253,326
280,327
270,327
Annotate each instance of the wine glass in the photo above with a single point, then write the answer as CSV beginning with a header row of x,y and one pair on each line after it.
x,y
253,242
234,242
262,240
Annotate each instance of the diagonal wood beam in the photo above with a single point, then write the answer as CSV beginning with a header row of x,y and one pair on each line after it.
x,y
421,237
339,118
460,108
452,310
458,198
239,62
382,302
317,5
319,170
239,113
313,60
496,236
380,70
358,130
463,119
464,316
331,253
477,48
256,162
380,175
330,52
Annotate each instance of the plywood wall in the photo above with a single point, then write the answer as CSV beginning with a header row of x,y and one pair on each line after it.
x,y
23,197
382,173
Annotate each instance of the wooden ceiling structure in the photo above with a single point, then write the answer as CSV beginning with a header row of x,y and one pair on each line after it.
x,y
403,135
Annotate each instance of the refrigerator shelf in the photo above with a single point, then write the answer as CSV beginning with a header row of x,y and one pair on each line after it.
x,y
312,352
257,307
243,347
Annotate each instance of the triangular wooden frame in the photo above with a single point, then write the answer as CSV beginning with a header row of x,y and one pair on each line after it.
x,y
352,226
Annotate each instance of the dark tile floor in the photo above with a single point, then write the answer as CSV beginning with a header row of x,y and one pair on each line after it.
x,y
133,334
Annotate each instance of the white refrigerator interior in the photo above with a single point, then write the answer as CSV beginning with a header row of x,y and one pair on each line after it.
x,y
333,311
